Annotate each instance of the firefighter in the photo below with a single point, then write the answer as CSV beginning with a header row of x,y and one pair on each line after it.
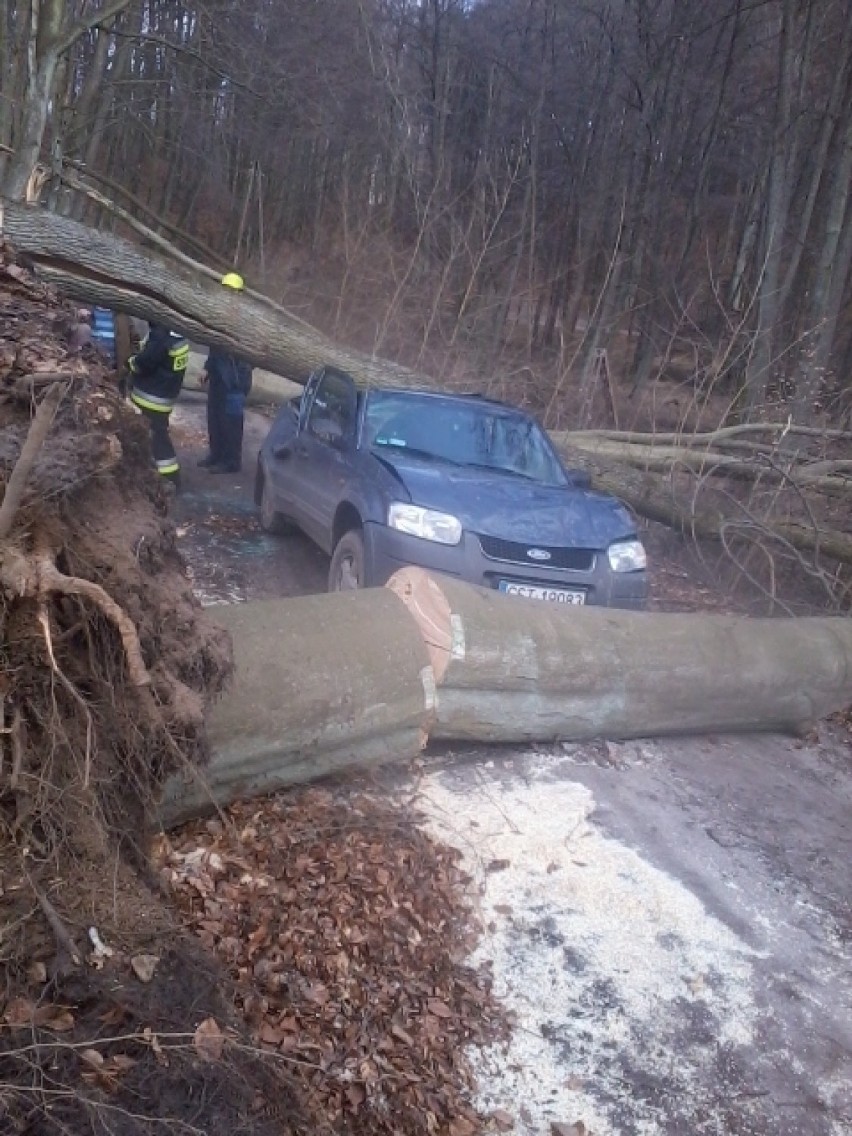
x,y
156,375
228,381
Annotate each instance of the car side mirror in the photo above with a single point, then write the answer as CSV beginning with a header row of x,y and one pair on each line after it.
x,y
329,431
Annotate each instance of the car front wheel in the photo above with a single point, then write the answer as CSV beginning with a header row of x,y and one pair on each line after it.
x,y
346,573
271,520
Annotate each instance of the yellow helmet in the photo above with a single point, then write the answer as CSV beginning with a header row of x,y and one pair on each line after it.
x,y
234,280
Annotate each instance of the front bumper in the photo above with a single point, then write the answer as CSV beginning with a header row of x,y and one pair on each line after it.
x,y
388,550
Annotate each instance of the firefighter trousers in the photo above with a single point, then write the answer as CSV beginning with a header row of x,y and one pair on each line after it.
x,y
162,447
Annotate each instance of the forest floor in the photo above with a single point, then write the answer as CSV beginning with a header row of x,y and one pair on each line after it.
x,y
648,938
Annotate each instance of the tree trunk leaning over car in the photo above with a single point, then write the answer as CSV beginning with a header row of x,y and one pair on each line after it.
x,y
101,268
98,267
346,681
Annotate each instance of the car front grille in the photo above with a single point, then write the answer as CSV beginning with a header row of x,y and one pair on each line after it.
x,y
574,559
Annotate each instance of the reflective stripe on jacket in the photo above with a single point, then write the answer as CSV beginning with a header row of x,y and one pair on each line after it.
x,y
158,369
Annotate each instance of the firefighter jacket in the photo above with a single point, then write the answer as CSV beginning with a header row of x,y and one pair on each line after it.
x,y
158,369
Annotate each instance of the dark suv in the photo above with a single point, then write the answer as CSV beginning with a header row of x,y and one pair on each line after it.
x,y
453,483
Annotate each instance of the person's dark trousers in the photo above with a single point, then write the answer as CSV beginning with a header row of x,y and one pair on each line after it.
x,y
162,448
232,423
225,428
217,394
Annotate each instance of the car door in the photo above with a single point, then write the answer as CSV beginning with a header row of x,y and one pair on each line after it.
x,y
280,452
322,454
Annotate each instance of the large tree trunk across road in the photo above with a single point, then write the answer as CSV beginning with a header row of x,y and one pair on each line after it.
x,y
324,683
332,682
510,670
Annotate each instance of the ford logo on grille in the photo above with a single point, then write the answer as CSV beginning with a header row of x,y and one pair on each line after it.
x,y
538,554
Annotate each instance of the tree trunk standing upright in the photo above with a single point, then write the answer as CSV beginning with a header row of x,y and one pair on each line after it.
x,y
775,217
818,169
41,58
49,36
828,283
13,37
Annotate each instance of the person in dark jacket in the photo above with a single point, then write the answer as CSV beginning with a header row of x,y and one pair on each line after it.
x,y
156,374
228,381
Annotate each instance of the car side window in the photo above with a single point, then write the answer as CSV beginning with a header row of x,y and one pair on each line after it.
x,y
332,412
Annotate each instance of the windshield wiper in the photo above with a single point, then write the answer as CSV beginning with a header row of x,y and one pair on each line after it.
x,y
500,469
400,448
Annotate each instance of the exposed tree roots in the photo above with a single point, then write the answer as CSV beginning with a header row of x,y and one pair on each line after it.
x,y
106,666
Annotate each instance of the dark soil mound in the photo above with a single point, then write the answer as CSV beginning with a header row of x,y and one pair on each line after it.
x,y
106,666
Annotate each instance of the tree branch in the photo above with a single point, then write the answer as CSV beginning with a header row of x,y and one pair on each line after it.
x,y
38,431
101,16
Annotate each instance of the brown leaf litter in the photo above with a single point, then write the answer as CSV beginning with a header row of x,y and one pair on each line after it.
x,y
344,927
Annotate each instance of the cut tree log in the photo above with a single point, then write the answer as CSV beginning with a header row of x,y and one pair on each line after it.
x,y
513,670
346,681
323,683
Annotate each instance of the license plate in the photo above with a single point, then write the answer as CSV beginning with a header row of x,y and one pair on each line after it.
x,y
536,592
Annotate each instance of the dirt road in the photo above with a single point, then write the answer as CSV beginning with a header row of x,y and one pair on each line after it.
x,y
670,921
231,558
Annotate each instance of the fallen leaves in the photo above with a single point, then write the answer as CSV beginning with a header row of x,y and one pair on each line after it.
x,y
144,966
21,1013
209,1041
344,928
105,1072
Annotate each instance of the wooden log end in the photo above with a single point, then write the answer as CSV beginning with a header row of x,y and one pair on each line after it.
x,y
442,632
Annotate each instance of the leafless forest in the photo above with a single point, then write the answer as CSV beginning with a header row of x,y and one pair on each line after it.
x,y
627,214
534,181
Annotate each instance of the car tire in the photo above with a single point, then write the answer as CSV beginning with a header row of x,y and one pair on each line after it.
x,y
271,521
347,571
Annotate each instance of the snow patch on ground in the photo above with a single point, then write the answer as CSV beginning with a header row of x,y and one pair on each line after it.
x,y
628,994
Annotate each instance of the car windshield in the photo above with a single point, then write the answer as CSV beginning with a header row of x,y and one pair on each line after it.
x,y
486,435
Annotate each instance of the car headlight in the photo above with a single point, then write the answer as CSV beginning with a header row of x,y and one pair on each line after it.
x,y
627,556
425,523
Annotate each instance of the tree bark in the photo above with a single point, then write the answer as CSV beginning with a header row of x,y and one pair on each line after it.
x,y
101,268
513,670
317,690
776,217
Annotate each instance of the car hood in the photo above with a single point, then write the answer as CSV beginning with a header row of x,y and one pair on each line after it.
x,y
513,508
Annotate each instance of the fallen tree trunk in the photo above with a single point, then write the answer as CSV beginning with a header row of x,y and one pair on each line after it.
x,y
101,268
345,681
511,670
651,496
323,683
827,476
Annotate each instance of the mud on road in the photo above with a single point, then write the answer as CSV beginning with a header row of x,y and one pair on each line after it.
x,y
670,921
231,558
